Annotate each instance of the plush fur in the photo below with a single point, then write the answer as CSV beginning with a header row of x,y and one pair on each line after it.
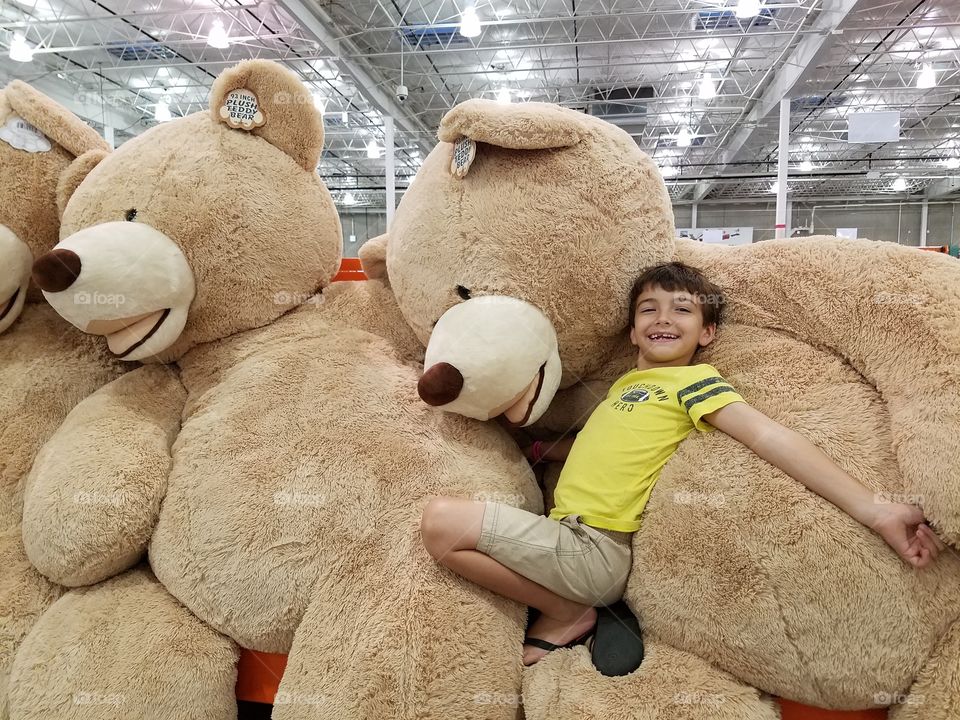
x,y
853,344
275,470
46,366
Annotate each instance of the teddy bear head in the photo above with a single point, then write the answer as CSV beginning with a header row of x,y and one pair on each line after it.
x,y
201,227
38,140
513,253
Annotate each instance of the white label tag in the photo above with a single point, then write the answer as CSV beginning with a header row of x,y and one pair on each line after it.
x,y
241,110
464,151
24,136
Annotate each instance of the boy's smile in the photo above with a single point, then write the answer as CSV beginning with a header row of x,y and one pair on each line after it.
x,y
668,327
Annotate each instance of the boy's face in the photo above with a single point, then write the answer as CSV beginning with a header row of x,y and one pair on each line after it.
x,y
668,326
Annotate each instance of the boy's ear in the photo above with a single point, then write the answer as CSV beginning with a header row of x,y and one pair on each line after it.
x,y
518,126
74,174
373,257
265,99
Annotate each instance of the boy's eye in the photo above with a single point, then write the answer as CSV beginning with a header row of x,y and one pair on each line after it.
x,y
683,309
646,310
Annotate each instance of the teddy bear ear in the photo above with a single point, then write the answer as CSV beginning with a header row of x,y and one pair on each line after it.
x,y
265,99
373,257
54,121
74,174
518,126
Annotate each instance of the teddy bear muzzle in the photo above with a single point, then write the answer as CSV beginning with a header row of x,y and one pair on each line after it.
x,y
15,259
489,356
126,281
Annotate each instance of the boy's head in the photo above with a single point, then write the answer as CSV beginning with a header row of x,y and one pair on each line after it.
x,y
674,311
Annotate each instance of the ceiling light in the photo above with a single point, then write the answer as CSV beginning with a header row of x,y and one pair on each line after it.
x,y
926,78
218,37
373,150
469,23
349,199
344,117
708,88
899,185
669,171
503,95
775,188
806,165
19,49
952,162
161,111
747,9
319,102
684,138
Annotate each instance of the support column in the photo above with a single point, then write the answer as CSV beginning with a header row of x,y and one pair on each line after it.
x,y
389,170
693,216
783,158
923,222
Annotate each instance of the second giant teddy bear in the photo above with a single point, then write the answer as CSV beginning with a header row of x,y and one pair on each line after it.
x,y
743,579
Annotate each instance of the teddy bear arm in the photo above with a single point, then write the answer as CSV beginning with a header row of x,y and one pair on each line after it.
x,y
93,495
892,312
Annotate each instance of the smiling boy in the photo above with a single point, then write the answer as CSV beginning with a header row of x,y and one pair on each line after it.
x,y
579,557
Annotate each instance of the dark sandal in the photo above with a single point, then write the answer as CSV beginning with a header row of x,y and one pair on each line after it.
x,y
550,647
618,644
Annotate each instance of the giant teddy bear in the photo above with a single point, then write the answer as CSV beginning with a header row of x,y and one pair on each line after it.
x,y
46,365
272,456
743,580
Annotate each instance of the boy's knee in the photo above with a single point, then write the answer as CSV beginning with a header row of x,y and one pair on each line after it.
x,y
433,525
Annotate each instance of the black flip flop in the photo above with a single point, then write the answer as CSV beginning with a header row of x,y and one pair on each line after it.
x,y
550,647
618,643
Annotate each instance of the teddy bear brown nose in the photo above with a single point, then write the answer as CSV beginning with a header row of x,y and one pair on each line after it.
x,y
440,384
56,270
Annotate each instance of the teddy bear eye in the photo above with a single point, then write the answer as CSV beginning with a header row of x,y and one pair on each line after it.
x,y
130,215
463,292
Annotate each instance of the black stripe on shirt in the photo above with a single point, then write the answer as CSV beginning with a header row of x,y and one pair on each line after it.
x,y
707,395
699,385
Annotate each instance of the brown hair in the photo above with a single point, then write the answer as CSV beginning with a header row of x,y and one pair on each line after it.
x,y
674,276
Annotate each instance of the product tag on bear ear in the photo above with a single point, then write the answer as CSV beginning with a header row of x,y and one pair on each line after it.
x,y
241,110
20,134
464,151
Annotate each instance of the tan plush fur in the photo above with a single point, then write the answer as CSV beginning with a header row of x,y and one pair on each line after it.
x,y
853,344
298,460
46,365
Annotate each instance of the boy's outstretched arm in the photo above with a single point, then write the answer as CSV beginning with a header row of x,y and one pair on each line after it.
x,y
902,526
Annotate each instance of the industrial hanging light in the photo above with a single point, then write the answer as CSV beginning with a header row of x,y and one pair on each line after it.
x,y
707,88
926,78
20,50
899,185
806,165
218,37
469,22
373,150
684,138
161,111
349,199
747,9
503,95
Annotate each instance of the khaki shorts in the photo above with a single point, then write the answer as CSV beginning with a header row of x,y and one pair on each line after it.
x,y
574,560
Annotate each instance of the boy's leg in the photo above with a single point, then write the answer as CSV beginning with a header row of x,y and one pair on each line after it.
x,y
451,527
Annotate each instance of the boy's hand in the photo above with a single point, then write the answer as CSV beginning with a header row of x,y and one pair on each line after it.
x,y
904,529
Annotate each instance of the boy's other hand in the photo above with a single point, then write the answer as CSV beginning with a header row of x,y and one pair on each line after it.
x,y
904,529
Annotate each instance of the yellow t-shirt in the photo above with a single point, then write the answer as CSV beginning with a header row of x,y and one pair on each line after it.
x,y
617,457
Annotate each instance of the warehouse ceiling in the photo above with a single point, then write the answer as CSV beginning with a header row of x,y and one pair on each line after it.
x,y
697,87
